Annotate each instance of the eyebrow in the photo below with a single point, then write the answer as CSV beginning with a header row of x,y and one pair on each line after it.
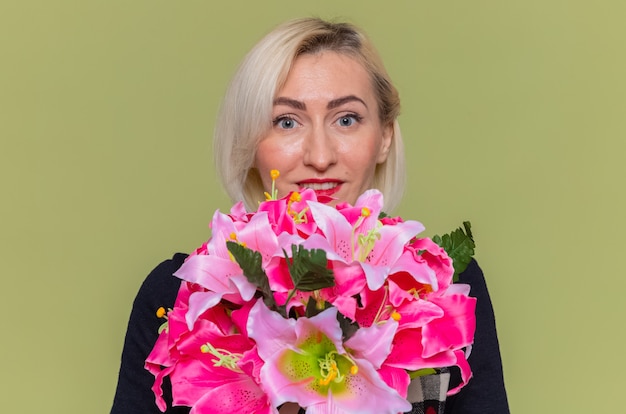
x,y
331,105
290,102
344,99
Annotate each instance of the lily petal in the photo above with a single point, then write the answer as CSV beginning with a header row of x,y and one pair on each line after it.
x,y
373,343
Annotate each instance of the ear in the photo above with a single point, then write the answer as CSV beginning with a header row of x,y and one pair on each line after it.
x,y
385,144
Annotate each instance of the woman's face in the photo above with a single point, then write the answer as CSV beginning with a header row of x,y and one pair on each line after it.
x,y
326,132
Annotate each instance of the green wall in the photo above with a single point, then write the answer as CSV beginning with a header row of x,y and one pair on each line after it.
x,y
513,116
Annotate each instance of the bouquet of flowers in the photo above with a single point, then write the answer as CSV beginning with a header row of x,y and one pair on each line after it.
x,y
335,309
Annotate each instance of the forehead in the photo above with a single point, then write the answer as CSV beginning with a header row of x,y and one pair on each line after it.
x,y
327,73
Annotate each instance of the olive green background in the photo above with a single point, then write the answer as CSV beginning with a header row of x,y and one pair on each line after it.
x,y
513,117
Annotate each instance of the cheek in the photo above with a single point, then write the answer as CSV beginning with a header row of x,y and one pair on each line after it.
x,y
265,154
273,155
262,158
362,157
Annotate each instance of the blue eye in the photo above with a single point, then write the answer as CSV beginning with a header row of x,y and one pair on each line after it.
x,y
348,120
285,123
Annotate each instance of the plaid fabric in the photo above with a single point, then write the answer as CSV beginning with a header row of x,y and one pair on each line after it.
x,y
428,393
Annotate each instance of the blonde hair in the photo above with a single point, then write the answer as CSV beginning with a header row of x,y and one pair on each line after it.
x,y
245,115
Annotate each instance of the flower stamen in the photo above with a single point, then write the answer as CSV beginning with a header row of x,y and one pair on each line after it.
x,y
224,358
418,293
274,174
364,241
161,313
330,371
298,217
383,308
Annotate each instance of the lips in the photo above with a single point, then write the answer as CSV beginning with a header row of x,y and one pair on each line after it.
x,y
322,187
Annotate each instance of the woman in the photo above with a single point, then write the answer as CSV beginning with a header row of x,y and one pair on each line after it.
x,y
313,100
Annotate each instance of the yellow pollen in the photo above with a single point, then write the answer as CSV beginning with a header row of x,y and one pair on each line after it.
x,y
233,236
424,290
395,316
329,370
268,197
160,312
354,370
365,212
274,174
331,376
295,197
223,357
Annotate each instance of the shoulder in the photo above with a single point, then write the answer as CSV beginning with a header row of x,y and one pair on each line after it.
x,y
485,392
161,286
472,273
474,277
159,289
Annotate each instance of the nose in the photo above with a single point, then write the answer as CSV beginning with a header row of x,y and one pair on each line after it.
x,y
320,150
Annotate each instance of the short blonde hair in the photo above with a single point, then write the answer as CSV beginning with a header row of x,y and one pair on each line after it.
x,y
245,115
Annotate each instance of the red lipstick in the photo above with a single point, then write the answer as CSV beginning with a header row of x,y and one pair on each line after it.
x,y
322,186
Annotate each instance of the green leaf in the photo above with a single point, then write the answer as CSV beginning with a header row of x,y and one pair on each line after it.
x,y
250,262
459,245
309,269
348,326
313,308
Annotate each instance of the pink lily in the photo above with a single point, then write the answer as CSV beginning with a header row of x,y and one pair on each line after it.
x,y
291,214
434,331
217,272
214,368
307,363
374,247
